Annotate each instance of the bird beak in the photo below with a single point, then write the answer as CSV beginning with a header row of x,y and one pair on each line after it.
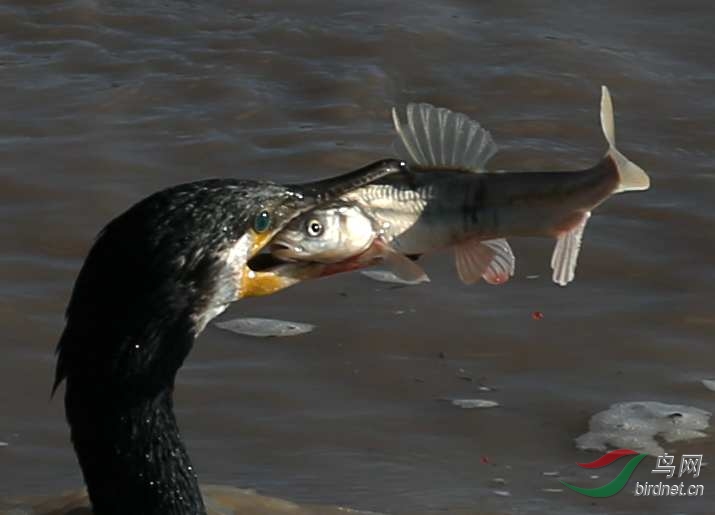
x,y
331,189
302,198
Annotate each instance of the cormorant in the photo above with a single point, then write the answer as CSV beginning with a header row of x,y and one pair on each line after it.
x,y
155,276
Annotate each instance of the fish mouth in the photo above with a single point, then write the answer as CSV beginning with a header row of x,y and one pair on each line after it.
x,y
269,271
274,256
283,251
266,262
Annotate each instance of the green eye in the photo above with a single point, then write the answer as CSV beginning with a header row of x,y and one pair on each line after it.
x,y
262,222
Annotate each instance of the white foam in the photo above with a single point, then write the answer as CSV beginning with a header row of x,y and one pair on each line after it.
x,y
264,327
635,425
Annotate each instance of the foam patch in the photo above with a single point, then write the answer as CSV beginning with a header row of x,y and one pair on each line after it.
x,y
636,425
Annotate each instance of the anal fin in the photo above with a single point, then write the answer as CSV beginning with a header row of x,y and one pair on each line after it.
x,y
491,260
565,256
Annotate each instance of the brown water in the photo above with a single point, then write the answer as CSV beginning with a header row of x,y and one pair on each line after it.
x,y
102,103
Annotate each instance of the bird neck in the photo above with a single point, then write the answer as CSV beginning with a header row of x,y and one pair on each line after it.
x,y
131,453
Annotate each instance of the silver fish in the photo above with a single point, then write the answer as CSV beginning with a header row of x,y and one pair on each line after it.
x,y
447,199
328,235
342,237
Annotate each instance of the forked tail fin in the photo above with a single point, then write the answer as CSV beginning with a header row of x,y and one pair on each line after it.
x,y
632,176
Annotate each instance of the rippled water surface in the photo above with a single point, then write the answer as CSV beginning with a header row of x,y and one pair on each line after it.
x,y
102,103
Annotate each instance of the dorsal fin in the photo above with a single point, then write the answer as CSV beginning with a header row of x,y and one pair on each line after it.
x,y
436,136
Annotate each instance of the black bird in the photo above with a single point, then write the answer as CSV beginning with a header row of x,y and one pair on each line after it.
x,y
155,276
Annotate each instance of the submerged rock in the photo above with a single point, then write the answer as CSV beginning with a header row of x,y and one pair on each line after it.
x,y
634,425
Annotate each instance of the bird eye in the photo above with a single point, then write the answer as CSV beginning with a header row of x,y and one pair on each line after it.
x,y
314,228
262,222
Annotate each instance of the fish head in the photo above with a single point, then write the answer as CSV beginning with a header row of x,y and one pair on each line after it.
x,y
325,235
272,212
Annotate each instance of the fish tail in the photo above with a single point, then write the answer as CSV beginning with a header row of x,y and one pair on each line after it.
x,y
632,177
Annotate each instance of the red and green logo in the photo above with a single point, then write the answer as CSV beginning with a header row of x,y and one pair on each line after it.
x,y
621,479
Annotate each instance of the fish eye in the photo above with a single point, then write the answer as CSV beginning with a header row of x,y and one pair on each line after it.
x,y
262,222
314,228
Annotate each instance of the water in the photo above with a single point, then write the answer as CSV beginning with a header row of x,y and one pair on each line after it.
x,y
103,103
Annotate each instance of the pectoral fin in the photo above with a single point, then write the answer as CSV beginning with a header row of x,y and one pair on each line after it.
x,y
380,253
402,266
565,256
492,260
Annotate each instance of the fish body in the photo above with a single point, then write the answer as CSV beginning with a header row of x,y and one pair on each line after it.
x,y
444,198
